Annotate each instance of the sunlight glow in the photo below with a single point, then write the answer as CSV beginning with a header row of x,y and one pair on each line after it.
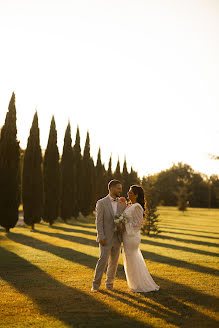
x,y
141,76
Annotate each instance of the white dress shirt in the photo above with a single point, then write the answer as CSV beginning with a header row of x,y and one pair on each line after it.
x,y
114,204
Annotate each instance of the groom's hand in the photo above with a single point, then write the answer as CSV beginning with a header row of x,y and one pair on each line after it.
x,y
102,242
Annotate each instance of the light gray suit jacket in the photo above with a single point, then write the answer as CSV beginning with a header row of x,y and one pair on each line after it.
x,y
105,219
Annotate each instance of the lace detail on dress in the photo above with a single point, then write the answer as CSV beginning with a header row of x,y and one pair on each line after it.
x,y
137,216
134,215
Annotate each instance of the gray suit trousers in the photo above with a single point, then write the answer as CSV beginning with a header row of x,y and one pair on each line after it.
x,y
108,255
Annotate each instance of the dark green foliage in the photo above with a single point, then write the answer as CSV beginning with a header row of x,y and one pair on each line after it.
x,y
109,173
67,177
51,175
148,184
133,178
198,191
167,182
125,180
9,169
100,178
92,179
87,180
32,187
213,191
166,185
170,180
151,220
117,174
77,158
182,196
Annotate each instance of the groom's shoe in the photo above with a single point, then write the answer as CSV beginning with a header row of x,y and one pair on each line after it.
x,y
94,289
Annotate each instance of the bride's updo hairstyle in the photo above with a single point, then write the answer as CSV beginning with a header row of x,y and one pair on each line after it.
x,y
138,190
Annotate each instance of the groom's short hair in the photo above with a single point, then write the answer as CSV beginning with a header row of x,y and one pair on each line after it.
x,y
113,183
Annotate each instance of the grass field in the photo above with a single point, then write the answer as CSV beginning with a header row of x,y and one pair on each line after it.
x,y
46,276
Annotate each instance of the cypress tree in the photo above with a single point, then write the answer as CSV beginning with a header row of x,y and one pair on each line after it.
x,y
92,179
125,180
67,177
77,203
51,175
100,178
151,220
9,169
32,187
117,173
109,171
133,177
87,180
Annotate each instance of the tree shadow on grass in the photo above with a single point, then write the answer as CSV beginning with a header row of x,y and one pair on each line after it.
x,y
148,241
63,252
170,309
84,231
173,309
73,307
172,227
151,256
77,239
189,241
187,234
69,305
147,255
90,262
154,242
154,310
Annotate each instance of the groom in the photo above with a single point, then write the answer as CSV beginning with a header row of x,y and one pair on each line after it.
x,y
109,239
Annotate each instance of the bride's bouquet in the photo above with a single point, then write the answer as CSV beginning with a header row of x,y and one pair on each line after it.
x,y
120,221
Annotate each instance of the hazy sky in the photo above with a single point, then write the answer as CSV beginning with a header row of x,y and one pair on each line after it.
x,y
141,76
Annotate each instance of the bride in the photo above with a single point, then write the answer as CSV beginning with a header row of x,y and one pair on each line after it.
x,y
137,274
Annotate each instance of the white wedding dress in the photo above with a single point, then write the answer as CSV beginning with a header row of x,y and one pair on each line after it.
x,y
137,274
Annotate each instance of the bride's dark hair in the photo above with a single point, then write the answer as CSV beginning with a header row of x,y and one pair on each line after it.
x,y
138,190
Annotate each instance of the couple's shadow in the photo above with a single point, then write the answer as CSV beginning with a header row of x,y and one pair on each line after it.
x,y
167,305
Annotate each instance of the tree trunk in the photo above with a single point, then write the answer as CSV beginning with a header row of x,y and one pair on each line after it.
x,y
7,230
32,226
209,195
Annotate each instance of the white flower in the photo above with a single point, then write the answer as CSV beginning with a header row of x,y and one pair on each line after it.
x,y
120,219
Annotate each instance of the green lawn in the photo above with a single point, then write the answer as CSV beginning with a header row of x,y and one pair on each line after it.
x,y
46,276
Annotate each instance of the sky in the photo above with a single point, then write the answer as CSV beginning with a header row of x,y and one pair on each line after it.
x,y
141,76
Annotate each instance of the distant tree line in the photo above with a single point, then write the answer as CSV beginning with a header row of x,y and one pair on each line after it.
x,y
181,186
51,186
